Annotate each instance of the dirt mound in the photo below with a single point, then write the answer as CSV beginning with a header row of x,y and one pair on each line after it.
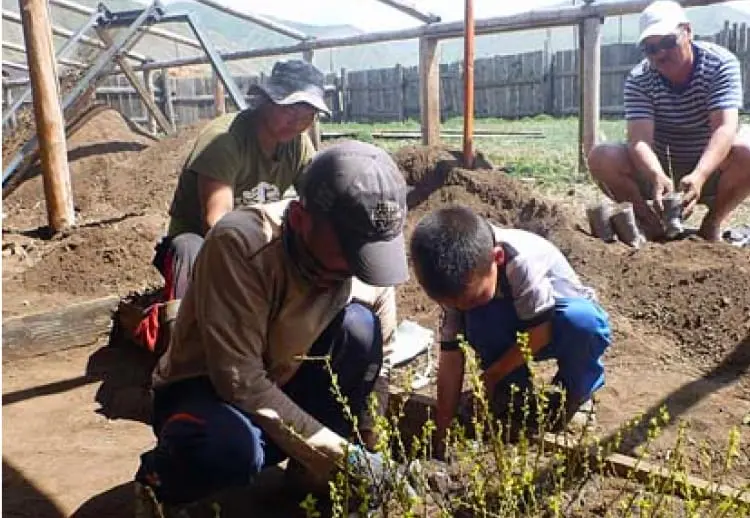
x,y
122,184
696,293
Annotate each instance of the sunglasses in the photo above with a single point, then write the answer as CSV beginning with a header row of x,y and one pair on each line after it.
x,y
666,43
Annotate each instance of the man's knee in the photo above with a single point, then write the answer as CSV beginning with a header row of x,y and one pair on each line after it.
x,y
606,159
185,246
581,319
361,330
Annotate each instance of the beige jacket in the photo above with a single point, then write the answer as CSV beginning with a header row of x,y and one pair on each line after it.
x,y
246,320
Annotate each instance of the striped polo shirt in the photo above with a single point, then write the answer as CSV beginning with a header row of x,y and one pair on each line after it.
x,y
680,114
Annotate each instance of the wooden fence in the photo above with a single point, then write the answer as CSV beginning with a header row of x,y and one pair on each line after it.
x,y
505,86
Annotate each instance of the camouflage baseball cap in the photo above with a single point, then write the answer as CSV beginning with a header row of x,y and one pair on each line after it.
x,y
292,82
361,191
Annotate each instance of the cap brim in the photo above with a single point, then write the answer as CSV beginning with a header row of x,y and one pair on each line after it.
x,y
282,97
658,29
380,263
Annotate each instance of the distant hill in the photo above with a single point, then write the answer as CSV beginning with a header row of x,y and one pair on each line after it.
x,y
230,33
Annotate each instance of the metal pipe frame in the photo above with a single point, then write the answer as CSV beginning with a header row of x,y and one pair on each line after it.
x,y
124,41
260,20
93,19
540,18
13,16
411,10
173,36
218,64
20,48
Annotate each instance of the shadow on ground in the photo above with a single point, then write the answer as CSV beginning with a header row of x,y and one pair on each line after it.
x,y
22,499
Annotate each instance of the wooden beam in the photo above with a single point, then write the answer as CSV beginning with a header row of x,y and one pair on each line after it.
x,y
255,18
166,97
148,83
148,100
314,130
50,123
539,18
469,84
591,67
220,102
74,326
411,10
429,81
172,36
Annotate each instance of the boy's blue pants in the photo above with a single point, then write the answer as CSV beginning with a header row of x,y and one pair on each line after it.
x,y
580,335
205,444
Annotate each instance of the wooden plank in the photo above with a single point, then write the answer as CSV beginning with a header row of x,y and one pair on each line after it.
x,y
166,89
419,407
74,326
429,63
131,76
590,92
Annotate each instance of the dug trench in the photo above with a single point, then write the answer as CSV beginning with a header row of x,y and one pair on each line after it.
x,y
680,311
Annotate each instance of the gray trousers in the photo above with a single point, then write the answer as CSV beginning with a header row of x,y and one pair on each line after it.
x,y
175,257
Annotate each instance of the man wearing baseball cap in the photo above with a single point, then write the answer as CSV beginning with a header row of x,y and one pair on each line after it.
x,y
682,109
276,288
247,157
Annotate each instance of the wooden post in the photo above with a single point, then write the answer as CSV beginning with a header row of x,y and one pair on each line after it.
x,y
344,84
148,83
590,56
400,105
469,84
166,95
314,131
429,86
50,124
220,103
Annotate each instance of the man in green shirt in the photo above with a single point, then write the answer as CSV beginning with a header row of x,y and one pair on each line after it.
x,y
239,158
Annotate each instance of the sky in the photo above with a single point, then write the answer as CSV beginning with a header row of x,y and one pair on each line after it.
x,y
371,15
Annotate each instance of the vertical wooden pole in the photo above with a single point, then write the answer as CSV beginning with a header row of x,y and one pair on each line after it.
x,y
314,130
344,96
468,84
50,124
399,86
429,85
148,83
590,53
220,103
166,95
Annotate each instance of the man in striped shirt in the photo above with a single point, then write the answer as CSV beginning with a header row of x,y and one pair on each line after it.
x,y
682,109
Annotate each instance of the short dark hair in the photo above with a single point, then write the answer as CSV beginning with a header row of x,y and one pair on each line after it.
x,y
447,247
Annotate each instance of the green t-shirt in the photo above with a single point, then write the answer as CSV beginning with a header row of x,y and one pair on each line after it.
x,y
228,150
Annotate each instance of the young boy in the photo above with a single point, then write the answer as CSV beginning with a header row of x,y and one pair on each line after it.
x,y
494,283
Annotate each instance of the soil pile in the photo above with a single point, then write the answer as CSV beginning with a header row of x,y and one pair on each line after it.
x,y
694,293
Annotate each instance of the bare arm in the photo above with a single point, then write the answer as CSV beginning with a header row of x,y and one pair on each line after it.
x,y
641,151
450,379
539,337
216,199
724,124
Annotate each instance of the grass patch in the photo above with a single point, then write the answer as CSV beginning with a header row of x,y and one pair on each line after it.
x,y
552,158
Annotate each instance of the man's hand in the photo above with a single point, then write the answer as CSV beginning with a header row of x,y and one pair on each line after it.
x,y
661,186
377,476
691,186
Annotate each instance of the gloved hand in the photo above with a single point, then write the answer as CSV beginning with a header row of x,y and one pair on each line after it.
x,y
373,473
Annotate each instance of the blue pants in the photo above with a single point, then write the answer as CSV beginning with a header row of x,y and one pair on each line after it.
x,y
580,335
205,444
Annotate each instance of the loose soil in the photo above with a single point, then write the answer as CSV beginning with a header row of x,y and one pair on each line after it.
x,y
680,311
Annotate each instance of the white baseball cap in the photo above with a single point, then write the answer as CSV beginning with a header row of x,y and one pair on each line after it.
x,y
661,18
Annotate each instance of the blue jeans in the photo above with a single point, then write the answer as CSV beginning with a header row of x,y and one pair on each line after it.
x,y
580,335
205,444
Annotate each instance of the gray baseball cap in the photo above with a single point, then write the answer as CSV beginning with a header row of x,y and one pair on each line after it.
x,y
360,190
292,82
